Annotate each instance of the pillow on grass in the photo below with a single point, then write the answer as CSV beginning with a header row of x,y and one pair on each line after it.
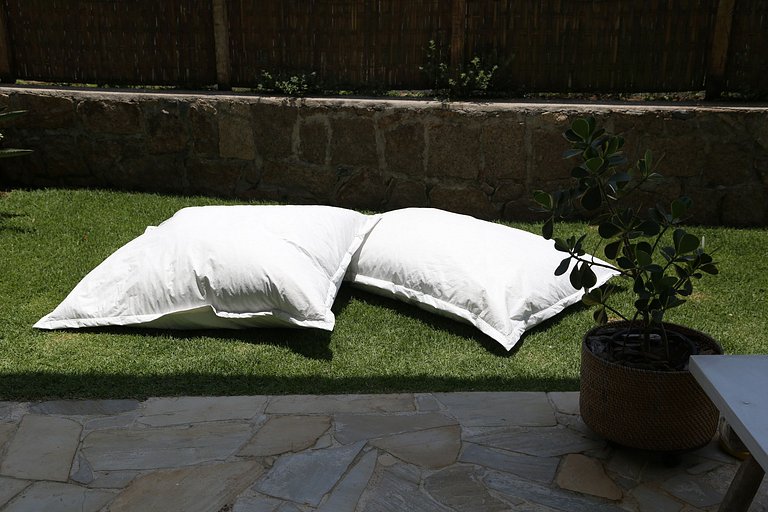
x,y
222,267
497,278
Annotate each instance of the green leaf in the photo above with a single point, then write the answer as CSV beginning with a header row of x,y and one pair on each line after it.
x,y
547,229
592,298
588,277
643,258
710,268
571,136
594,164
7,116
581,127
579,172
591,200
543,198
575,277
649,228
685,242
600,316
624,262
608,230
562,268
8,153
570,153
612,249
680,207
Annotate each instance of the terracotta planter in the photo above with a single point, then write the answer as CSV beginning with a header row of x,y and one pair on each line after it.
x,y
651,410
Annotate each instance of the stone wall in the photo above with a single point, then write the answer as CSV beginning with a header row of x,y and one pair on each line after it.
x,y
484,159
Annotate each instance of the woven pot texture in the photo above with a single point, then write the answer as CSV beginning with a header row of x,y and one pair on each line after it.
x,y
651,410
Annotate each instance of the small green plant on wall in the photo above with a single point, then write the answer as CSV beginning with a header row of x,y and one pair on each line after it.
x,y
10,152
466,81
294,85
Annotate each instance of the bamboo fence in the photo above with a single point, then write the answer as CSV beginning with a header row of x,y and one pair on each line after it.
x,y
539,45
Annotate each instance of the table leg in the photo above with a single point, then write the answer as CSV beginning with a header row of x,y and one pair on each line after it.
x,y
744,487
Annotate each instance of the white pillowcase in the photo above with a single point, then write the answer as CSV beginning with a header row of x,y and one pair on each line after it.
x,y
222,267
497,278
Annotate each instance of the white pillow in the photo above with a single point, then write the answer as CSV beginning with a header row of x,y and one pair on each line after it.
x,y
222,267
497,278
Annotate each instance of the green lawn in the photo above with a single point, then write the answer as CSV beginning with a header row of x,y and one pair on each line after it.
x,y
50,239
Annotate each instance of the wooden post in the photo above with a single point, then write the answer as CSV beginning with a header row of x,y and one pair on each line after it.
x,y
718,55
221,42
744,487
7,73
458,32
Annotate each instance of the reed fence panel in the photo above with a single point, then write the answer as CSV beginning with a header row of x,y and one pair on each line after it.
x,y
539,45
155,42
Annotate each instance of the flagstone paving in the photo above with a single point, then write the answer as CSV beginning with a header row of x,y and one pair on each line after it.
x,y
441,452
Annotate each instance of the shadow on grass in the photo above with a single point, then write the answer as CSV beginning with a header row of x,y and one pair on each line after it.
x,y
35,386
7,217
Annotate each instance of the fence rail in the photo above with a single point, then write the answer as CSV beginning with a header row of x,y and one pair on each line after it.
x,y
539,45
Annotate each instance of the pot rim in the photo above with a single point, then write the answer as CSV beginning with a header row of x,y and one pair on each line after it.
x,y
696,333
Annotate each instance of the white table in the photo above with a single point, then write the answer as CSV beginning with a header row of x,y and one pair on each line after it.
x,y
738,386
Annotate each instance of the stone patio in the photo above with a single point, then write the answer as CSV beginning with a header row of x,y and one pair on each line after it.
x,y
418,452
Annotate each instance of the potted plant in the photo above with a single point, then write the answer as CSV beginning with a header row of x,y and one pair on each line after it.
x,y
635,386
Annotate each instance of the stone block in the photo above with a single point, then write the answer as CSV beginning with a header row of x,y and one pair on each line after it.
x,y
469,200
42,449
157,448
212,176
538,469
273,129
235,131
84,407
203,128
404,193
431,448
308,476
587,476
60,160
332,404
167,127
396,489
314,137
491,409
162,412
351,428
458,487
404,146
365,189
542,441
159,173
346,494
44,111
59,497
112,116
310,180
546,163
565,402
745,205
194,489
353,140
281,434
510,486
504,150
510,190
454,150
10,487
